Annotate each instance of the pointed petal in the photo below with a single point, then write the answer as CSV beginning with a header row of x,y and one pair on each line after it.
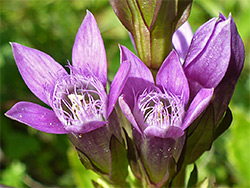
x,y
199,40
139,77
117,85
38,70
172,77
127,112
172,132
37,117
231,77
88,50
197,106
181,40
138,68
206,69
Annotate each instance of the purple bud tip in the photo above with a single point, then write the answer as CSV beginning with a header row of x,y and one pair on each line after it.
x,y
160,109
78,100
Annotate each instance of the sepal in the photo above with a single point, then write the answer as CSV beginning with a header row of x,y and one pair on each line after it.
x,y
224,124
200,136
118,161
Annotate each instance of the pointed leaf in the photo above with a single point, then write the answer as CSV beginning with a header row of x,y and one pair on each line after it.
x,y
224,124
193,177
200,138
119,163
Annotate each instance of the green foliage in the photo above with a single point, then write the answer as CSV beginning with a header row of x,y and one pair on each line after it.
x,y
51,26
238,149
13,175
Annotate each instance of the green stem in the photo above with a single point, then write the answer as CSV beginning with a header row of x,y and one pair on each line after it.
x,y
180,178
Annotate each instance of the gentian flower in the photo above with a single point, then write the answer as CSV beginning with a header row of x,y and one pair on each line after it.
x,y
159,113
79,101
215,59
181,40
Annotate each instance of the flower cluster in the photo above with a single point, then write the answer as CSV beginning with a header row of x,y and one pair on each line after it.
x,y
184,97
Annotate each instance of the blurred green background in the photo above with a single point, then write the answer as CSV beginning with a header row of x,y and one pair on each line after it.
x,y
30,158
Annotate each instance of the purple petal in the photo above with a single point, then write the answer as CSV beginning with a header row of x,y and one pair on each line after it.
x,y
127,112
181,40
88,50
235,66
197,106
37,117
206,69
88,127
39,70
133,41
172,77
172,132
117,85
138,68
199,40
139,77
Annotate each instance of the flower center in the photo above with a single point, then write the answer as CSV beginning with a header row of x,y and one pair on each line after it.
x,y
78,100
160,109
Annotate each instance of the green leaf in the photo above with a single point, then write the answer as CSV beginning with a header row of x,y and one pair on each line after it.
x,y
119,162
82,176
200,136
13,175
224,124
203,184
238,146
193,177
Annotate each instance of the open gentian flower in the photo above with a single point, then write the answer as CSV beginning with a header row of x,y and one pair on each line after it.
x,y
159,113
79,100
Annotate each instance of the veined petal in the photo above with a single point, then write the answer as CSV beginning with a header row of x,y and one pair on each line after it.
x,y
117,85
38,70
172,132
209,67
37,117
127,112
88,50
172,77
138,68
231,77
197,106
181,40
199,40
139,77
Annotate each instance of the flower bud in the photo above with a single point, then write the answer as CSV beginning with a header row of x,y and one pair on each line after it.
x,y
215,59
152,24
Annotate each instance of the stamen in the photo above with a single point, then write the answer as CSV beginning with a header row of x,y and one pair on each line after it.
x,y
160,109
78,100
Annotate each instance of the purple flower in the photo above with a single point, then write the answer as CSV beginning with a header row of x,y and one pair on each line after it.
x,y
215,59
181,40
159,113
79,100
160,110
